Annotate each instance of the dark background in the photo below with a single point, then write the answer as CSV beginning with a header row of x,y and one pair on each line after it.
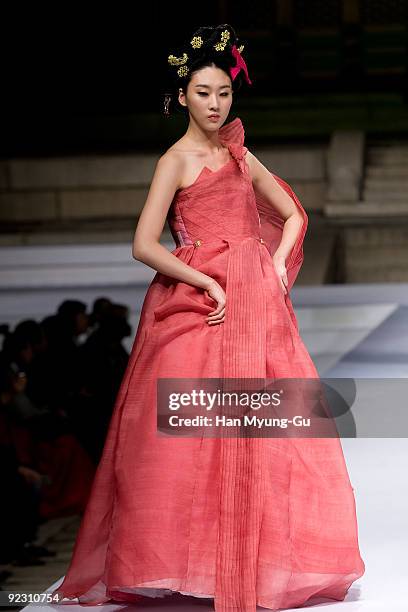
x,y
91,77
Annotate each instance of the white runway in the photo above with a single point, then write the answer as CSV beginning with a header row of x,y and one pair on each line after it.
x,y
350,331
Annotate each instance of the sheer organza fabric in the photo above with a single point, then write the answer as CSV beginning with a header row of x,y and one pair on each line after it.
x,y
247,521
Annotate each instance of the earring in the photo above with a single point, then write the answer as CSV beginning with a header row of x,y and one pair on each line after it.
x,y
167,99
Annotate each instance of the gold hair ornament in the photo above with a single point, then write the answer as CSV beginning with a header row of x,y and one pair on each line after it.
x,y
177,61
183,71
220,46
196,42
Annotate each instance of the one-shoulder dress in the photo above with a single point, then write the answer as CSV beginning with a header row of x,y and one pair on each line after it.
x,y
247,521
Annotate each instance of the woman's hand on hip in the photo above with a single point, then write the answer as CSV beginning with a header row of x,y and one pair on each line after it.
x,y
280,268
217,293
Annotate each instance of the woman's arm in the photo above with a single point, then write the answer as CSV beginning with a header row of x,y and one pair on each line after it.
x,y
267,186
146,242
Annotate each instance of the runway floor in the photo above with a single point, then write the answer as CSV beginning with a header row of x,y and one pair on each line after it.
x,y
351,331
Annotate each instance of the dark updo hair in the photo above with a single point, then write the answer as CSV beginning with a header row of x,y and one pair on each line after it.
x,y
207,46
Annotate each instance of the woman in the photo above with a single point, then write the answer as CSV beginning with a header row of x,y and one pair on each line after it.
x,y
247,521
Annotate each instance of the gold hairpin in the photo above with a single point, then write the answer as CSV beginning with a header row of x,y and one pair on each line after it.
x,y
183,71
220,46
196,42
177,61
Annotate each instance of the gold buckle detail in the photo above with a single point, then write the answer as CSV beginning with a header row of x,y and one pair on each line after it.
x,y
197,243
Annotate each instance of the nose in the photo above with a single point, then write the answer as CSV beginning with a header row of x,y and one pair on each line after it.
x,y
214,103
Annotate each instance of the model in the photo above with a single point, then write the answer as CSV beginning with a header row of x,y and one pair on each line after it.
x,y
247,521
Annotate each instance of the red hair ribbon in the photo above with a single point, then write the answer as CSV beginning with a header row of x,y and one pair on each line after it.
x,y
240,65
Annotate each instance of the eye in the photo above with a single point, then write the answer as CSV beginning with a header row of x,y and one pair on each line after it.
x,y
203,93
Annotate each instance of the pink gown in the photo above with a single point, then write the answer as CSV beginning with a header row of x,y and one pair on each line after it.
x,y
246,521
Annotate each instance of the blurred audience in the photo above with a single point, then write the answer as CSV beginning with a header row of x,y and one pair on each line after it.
x,y
58,383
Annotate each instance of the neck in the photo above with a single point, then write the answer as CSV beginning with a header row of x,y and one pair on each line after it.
x,y
203,138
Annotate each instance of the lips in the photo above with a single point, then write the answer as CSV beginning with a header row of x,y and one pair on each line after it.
x,y
213,116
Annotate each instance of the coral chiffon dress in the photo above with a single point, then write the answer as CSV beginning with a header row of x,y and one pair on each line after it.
x,y
246,521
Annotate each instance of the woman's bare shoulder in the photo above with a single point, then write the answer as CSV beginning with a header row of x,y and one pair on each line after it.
x,y
174,158
170,164
177,159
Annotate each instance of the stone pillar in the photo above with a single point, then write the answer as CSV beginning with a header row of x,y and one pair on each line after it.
x,y
345,166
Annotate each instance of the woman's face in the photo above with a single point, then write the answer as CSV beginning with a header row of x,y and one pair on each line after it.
x,y
209,91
